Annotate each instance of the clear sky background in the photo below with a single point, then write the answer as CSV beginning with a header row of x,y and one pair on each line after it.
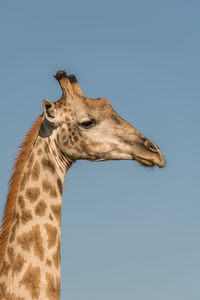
x,y
128,232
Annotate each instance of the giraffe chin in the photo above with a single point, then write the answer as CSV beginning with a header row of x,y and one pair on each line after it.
x,y
145,162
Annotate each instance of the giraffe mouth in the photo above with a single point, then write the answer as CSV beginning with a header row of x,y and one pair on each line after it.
x,y
149,162
145,162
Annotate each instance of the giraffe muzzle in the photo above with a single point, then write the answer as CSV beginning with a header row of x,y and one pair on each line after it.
x,y
151,157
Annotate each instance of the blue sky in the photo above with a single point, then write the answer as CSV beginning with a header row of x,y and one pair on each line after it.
x,y
127,232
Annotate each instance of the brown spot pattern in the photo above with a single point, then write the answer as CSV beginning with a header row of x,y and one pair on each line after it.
x,y
31,281
53,287
36,171
48,262
40,208
27,173
32,194
56,209
26,216
56,256
25,178
71,139
13,232
60,185
48,188
18,264
15,219
76,138
15,263
52,235
46,148
21,202
2,291
48,165
39,152
33,239
10,252
4,269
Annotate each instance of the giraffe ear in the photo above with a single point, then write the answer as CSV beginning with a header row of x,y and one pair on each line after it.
x,y
49,111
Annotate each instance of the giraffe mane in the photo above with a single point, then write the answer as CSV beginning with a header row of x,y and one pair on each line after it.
x,y
14,183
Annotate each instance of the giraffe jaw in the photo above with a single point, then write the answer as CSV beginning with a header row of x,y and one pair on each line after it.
x,y
150,163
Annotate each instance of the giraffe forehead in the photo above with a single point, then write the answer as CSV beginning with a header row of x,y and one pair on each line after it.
x,y
98,104
80,103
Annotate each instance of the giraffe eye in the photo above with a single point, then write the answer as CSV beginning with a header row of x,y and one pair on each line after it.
x,y
88,124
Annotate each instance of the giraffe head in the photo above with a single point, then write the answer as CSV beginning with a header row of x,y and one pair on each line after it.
x,y
90,129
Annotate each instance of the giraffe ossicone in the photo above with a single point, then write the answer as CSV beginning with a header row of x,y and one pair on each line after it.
x,y
72,128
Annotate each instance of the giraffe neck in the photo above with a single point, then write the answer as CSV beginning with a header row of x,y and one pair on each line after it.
x,y
31,264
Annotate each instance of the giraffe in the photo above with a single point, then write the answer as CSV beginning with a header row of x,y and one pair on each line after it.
x,y
72,128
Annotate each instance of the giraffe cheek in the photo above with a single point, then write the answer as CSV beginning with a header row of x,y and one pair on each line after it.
x,y
95,145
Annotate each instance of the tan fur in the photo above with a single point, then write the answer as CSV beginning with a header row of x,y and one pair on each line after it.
x,y
14,183
31,226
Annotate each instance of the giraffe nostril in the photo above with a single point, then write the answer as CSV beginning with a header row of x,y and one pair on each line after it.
x,y
151,146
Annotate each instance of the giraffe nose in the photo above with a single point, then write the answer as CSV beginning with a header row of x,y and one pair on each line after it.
x,y
158,158
151,146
